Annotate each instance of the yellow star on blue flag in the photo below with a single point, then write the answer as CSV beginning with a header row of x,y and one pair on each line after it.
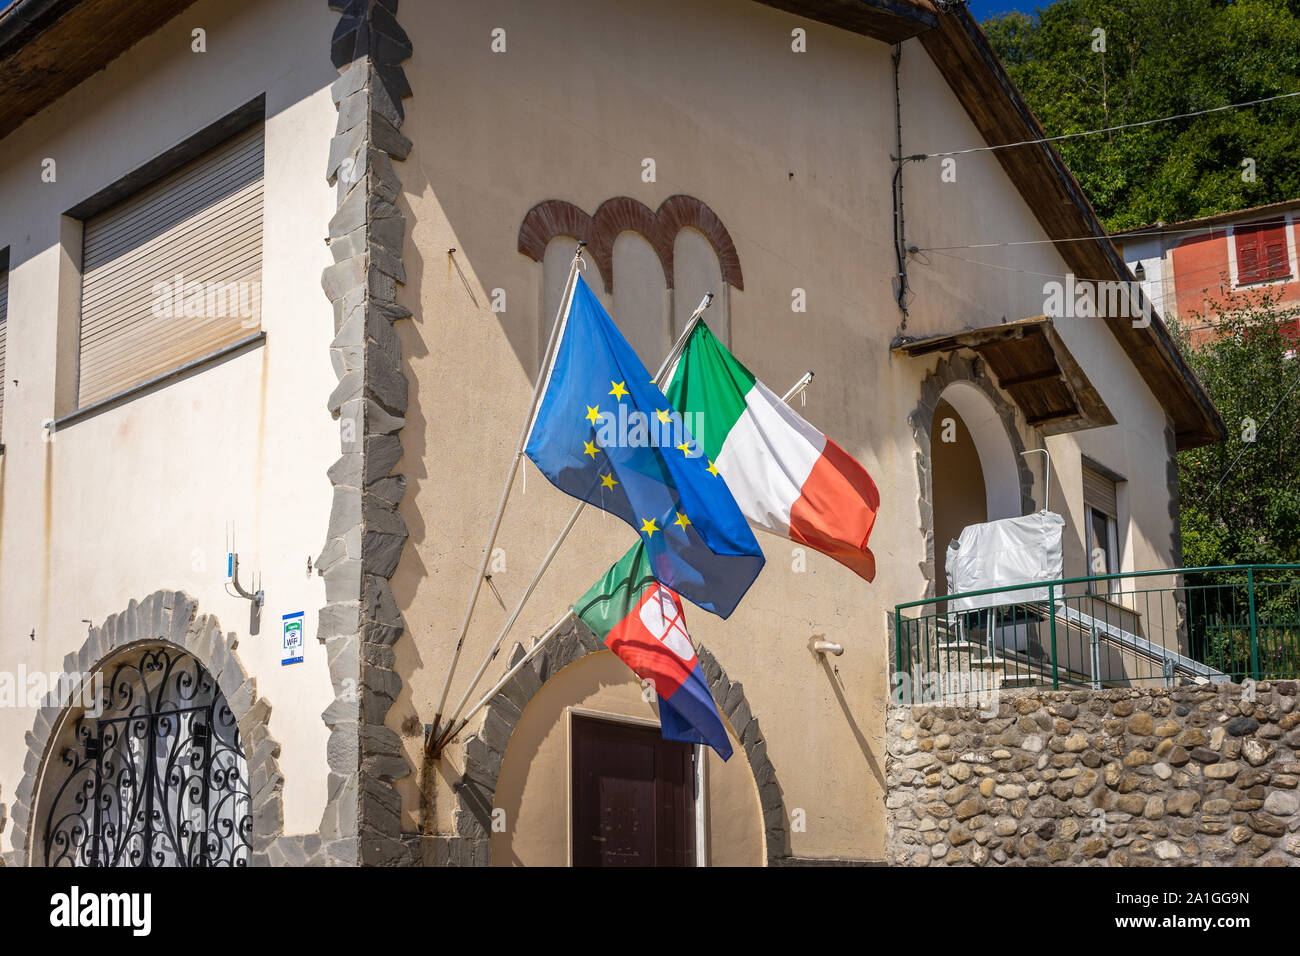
x,y
647,473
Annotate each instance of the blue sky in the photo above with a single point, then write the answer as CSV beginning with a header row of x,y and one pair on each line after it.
x,y
983,9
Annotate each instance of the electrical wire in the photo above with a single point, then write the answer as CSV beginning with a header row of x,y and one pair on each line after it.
x,y
1125,237
854,303
1112,129
1156,300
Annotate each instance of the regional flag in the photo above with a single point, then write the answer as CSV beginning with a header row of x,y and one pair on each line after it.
x,y
787,477
643,623
606,435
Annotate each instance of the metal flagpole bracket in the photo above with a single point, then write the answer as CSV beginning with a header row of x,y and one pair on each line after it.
x,y
542,374
257,596
455,728
496,648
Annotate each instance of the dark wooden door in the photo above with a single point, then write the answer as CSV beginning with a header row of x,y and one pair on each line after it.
x,y
633,796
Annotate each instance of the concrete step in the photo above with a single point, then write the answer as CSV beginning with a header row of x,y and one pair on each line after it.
x,y
1011,683
959,649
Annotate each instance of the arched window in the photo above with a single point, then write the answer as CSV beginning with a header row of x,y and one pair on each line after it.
x,y
641,298
555,270
649,269
695,272
150,771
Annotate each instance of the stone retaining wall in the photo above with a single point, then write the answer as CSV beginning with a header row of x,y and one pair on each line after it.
x,y
1180,777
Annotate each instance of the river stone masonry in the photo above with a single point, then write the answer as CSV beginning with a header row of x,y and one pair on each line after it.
x,y
1189,776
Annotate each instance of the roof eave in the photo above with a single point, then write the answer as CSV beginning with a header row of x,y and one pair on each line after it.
x,y
1218,219
890,21
48,47
976,75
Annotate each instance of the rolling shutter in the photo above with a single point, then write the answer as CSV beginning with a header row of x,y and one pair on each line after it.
x,y
4,328
1099,492
173,273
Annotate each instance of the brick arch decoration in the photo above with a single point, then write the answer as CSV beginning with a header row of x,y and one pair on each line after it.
x,y
969,369
485,749
171,618
556,217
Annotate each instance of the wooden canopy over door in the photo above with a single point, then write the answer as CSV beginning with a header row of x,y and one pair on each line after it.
x,y
1034,366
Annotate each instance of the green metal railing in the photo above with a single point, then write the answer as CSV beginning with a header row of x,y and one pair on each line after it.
x,y
1143,628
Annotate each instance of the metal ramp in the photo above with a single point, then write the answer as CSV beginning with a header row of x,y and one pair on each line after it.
x,y
1172,662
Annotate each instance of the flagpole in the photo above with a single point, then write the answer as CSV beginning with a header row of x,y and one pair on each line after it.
x,y
514,616
680,345
798,387
547,360
518,665
435,742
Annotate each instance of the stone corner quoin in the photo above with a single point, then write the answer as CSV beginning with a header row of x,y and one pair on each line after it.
x,y
360,621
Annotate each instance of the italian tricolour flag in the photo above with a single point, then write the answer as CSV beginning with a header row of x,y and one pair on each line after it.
x,y
644,623
787,477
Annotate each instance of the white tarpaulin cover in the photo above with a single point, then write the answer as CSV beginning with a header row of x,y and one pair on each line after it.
x,y
1001,553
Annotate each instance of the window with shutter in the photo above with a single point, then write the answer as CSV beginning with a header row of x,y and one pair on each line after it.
x,y
173,272
1261,251
1101,528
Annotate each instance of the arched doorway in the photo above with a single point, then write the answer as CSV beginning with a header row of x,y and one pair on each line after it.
x,y
152,773
592,715
744,820
991,422
959,491
975,468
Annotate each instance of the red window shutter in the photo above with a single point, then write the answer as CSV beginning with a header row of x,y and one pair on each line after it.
x,y
1261,252
1247,257
1275,257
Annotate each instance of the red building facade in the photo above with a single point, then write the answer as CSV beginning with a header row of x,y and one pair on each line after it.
x,y
1191,270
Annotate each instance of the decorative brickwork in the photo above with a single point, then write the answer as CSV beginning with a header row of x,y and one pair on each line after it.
x,y
555,217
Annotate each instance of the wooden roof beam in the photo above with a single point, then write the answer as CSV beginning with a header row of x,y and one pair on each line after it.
x,y
890,21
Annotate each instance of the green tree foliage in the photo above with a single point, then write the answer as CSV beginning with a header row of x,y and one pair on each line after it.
x,y
1241,498
1161,58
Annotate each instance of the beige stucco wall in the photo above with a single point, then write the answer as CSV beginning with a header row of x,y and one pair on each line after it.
x,y
137,499
569,112
792,152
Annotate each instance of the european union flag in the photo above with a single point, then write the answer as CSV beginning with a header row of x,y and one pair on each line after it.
x,y
605,434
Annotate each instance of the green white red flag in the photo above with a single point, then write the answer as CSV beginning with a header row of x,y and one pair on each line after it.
x,y
786,476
